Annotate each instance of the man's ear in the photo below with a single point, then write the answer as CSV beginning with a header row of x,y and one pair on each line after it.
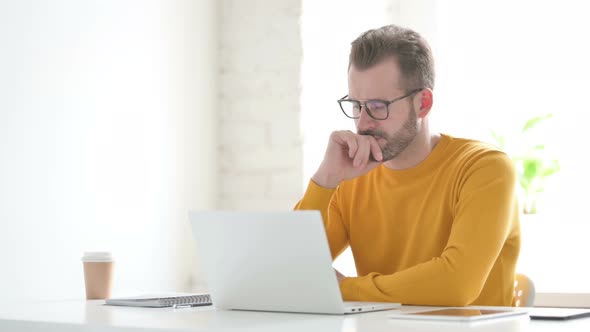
x,y
425,102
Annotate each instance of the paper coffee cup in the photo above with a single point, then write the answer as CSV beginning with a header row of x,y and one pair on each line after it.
x,y
98,274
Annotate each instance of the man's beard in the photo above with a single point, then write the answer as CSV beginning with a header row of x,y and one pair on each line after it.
x,y
397,142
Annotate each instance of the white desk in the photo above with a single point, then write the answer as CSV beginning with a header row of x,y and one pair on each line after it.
x,y
79,315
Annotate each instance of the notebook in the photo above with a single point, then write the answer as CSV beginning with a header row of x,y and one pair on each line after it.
x,y
270,261
161,301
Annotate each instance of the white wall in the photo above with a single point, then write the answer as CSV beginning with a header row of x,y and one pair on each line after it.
x,y
107,138
260,68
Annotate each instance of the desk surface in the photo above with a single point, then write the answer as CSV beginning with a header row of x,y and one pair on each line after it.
x,y
79,315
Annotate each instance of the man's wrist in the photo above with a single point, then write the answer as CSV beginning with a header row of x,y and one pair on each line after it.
x,y
325,180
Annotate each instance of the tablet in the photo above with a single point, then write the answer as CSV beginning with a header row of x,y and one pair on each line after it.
x,y
458,314
558,313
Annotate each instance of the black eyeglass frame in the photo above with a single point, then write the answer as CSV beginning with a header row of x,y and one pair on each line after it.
x,y
364,103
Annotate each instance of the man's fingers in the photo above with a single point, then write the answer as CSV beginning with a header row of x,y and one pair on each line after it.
x,y
364,150
352,145
375,149
346,139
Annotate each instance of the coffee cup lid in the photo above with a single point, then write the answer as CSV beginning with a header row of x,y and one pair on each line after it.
x,y
97,256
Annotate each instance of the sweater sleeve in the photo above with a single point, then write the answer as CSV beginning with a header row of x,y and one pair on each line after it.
x,y
325,200
482,219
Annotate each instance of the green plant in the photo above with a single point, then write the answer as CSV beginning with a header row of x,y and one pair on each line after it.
x,y
531,160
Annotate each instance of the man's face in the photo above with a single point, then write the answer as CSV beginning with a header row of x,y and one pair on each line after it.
x,y
381,82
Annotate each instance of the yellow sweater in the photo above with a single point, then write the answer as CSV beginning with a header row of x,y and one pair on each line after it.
x,y
445,232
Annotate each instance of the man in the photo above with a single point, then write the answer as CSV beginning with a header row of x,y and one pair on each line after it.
x,y
431,219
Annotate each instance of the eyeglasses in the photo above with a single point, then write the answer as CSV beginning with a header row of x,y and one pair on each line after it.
x,y
376,109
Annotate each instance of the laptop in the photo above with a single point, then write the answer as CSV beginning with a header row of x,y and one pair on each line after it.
x,y
270,261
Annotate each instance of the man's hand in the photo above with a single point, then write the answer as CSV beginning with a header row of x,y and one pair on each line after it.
x,y
347,157
339,276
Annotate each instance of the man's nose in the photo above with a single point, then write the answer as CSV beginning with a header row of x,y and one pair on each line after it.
x,y
365,121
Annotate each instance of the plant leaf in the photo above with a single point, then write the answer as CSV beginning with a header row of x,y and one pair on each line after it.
x,y
535,121
499,138
551,169
531,168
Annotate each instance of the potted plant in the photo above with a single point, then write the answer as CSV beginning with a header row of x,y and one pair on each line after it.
x,y
531,160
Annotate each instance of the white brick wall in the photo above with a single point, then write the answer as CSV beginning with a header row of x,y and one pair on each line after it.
x,y
260,146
